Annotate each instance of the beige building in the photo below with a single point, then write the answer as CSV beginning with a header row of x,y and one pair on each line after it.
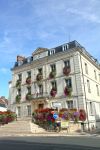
x,y
66,76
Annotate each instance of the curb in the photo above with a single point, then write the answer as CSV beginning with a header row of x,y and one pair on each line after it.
x,y
44,135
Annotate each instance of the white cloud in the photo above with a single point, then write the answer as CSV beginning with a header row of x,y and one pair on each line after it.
x,y
86,15
4,70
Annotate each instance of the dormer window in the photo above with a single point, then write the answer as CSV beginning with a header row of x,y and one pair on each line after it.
x,y
20,63
65,47
52,51
29,59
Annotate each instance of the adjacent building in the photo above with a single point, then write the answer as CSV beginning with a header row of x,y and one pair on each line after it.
x,y
66,76
3,104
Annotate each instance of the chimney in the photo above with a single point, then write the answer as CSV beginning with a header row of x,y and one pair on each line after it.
x,y
20,58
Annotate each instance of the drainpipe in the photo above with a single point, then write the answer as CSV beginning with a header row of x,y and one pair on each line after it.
x,y
84,90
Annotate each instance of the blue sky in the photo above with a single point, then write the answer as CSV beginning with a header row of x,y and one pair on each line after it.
x,y
28,24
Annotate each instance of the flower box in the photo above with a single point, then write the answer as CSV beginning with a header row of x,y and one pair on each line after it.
x,y
67,91
52,74
18,98
18,83
66,71
28,96
28,80
53,92
39,77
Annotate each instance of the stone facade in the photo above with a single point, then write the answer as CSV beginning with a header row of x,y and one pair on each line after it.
x,y
52,70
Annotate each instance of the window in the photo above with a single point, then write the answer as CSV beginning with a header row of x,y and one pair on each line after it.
x,y
41,89
97,88
54,85
68,83
20,63
95,75
20,76
29,73
29,89
29,110
19,111
53,67
40,106
91,108
88,86
52,51
67,63
69,104
19,92
40,70
65,47
86,69
28,59
99,77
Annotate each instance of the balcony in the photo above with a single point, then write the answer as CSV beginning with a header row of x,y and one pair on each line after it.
x,y
40,95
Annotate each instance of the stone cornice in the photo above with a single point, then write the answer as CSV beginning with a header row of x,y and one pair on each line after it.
x,y
46,60
54,58
88,57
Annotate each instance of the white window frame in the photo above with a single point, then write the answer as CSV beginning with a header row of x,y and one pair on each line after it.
x,y
91,108
88,86
97,89
69,104
52,51
65,47
95,75
86,68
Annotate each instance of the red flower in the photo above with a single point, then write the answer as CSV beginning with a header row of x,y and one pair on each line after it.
x,y
66,70
53,92
82,116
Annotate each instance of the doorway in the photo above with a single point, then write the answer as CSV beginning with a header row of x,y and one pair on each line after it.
x,y
40,106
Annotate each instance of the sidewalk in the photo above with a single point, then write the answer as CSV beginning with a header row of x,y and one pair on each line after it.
x,y
46,134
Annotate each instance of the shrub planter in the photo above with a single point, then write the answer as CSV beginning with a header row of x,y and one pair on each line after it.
x,y
18,98
39,77
52,74
18,83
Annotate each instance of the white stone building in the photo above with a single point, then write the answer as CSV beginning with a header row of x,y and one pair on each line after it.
x,y
66,75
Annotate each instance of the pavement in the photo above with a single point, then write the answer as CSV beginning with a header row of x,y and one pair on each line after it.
x,y
51,134
23,128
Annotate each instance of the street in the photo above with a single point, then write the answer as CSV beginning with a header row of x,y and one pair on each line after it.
x,y
49,143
